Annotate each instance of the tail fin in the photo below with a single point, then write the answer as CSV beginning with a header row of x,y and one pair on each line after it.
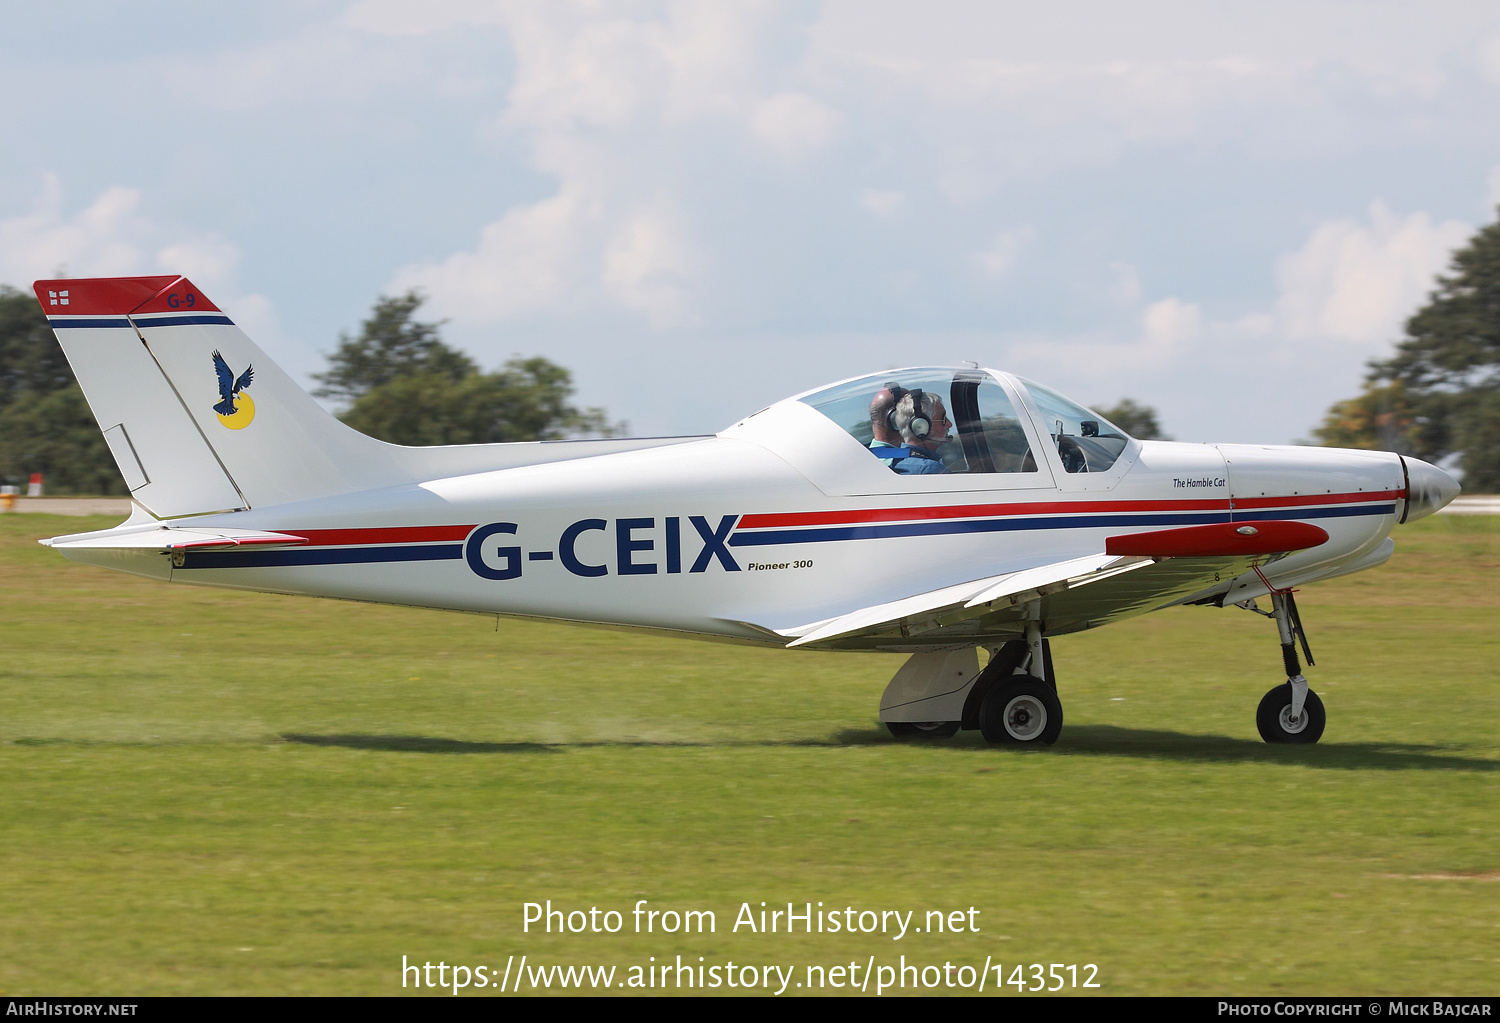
x,y
200,420
197,417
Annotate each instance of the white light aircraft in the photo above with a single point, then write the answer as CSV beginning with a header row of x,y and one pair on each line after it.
x,y
927,511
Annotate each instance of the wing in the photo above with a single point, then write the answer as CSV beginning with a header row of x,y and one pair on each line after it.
x,y
226,378
244,380
1137,573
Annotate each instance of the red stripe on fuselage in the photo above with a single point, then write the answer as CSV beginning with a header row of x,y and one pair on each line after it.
x,y
969,511
391,534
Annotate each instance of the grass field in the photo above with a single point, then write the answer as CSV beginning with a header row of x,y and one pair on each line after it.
x,y
212,792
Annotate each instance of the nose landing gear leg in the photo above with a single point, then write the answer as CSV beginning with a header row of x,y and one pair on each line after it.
x,y
1292,712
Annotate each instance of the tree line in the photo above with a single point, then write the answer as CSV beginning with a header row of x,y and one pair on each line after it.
x,y
1438,396
45,424
395,378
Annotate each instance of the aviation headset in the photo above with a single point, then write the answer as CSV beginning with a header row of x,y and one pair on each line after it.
x,y
920,424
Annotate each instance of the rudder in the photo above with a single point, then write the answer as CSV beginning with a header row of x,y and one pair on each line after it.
x,y
198,418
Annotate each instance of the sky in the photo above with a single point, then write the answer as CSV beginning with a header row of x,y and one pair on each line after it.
x,y
1221,210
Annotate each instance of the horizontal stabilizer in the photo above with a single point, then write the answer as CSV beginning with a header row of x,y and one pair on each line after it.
x,y
166,538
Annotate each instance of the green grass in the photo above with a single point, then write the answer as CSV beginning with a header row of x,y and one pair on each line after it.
x,y
213,792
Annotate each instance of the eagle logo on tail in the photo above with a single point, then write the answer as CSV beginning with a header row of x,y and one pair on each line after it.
x,y
235,408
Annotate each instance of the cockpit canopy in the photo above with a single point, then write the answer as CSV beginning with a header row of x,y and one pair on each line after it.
x,y
921,421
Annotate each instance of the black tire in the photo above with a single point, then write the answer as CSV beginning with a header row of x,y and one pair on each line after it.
x,y
922,729
1021,711
1271,718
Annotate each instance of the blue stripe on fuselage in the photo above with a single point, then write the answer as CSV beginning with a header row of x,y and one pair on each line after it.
x,y
326,556
1341,512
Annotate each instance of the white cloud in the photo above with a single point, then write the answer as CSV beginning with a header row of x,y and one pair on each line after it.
x,y
208,260
882,202
1001,254
113,237
527,260
1171,325
578,66
1145,98
646,263
1342,296
600,99
403,18
1126,287
321,63
110,237
1355,283
1345,292
793,124
1000,91
1488,54
100,240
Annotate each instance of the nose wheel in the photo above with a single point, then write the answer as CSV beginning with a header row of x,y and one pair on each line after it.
x,y
1291,712
1278,722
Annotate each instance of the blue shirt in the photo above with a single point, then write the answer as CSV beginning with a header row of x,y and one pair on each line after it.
x,y
908,461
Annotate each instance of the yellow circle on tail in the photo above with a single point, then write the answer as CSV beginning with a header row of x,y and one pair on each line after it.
x,y
244,411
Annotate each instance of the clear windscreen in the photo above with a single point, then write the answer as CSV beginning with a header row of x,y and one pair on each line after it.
x,y
931,421
1086,441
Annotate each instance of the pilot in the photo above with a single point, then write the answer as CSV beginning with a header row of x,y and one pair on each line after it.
x,y
923,423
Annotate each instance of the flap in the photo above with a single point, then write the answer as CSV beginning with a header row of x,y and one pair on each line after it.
x,y
1013,588
1068,596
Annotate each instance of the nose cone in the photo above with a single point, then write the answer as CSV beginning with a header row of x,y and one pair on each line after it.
x,y
1428,488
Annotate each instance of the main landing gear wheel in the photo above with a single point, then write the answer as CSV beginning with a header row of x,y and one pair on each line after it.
x,y
923,729
1275,722
1021,711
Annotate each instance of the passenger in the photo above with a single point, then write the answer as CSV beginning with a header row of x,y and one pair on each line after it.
x,y
923,423
881,407
886,443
